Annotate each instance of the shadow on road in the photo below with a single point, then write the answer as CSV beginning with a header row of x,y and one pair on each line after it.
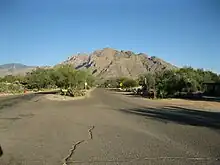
x,y
13,100
132,94
204,98
179,115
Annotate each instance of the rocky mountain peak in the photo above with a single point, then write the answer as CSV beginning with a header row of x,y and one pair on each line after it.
x,y
109,62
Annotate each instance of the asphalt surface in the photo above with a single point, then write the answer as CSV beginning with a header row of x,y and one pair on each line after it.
x,y
105,129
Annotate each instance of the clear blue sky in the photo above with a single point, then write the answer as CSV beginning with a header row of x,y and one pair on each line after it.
x,y
45,32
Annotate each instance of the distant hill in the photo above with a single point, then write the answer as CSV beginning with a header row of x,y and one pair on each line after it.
x,y
15,69
108,63
14,65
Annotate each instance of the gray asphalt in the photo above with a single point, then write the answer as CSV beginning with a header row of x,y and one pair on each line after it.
x,y
106,128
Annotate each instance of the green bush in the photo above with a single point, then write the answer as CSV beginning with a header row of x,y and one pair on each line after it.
x,y
63,76
115,83
75,92
129,83
11,88
171,83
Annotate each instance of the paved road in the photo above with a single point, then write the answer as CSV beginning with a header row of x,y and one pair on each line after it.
x,y
106,128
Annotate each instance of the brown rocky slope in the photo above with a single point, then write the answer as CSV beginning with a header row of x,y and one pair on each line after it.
x,y
103,64
108,63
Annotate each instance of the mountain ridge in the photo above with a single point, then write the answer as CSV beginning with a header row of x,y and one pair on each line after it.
x,y
109,62
15,69
103,63
15,65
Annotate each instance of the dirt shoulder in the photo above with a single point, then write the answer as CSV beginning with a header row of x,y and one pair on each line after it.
x,y
157,103
207,105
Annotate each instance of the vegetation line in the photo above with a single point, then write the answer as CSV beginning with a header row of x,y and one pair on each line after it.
x,y
167,83
183,82
66,78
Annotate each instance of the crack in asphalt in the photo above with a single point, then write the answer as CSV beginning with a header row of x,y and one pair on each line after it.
x,y
74,146
71,151
90,132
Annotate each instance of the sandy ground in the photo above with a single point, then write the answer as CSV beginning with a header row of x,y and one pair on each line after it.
x,y
191,104
194,104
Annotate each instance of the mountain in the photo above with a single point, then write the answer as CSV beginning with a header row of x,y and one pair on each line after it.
x,y
108,63
13,65
14,69
103,63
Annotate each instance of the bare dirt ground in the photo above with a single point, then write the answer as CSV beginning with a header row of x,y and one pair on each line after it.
x,y
206,105
104,129
194,104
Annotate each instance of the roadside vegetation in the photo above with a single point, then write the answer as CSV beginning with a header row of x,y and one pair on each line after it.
x,y
70,81
121,82
183,82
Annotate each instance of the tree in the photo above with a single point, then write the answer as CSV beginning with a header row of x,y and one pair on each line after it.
x,y
62,76
147,79
40,78
65,76
9,78
111,83
128,83
120,81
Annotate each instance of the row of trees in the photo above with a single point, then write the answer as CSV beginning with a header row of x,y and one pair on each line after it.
x,y
170,83
121,82
63,76
178,82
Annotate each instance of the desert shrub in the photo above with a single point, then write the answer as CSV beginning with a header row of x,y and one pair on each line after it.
x,y
73,92
11,88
